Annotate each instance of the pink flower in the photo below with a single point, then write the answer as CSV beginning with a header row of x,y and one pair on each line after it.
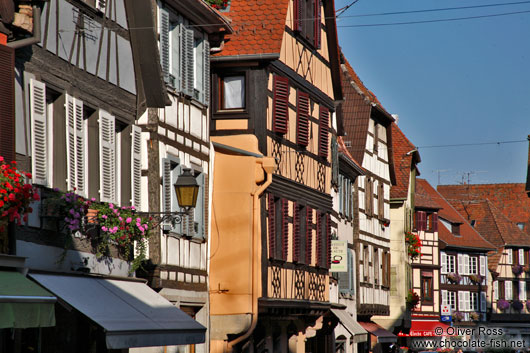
x,y
104,216
104,228
146,226
111,205
128,220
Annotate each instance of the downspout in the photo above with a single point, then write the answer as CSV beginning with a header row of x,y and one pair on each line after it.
x,y
36,32
268,165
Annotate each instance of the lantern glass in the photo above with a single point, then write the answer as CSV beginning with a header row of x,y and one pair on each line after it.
x,y
186,189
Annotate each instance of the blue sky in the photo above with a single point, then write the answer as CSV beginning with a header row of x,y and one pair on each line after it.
x,y
450,83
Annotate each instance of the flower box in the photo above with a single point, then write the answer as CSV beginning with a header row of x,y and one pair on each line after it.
x,y
517,269
517,305
477,279
474,316
458,316
502,304
454,277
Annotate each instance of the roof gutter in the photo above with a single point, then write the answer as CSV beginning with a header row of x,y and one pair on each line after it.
x,y
246,57
36,32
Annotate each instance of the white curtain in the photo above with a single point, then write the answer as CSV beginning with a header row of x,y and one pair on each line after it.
x,y
234,92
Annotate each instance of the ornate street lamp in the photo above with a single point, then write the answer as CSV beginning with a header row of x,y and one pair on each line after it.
x,y
187,189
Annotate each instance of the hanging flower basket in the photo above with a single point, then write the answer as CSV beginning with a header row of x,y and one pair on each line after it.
x,y
458,316
15,194
454,277
517,269
477,279
474,316
502,304
517,305
412,299
413,245
526,268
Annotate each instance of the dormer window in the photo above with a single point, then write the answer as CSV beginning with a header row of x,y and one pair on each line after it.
x,y
307,20
455,229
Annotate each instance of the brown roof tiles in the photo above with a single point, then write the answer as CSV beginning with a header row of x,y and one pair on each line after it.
x,y
404,162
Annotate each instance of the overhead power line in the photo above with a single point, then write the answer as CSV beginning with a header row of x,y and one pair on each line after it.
x,y
436,10
435,20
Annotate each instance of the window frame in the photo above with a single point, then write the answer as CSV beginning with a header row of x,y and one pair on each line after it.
x,y
427,298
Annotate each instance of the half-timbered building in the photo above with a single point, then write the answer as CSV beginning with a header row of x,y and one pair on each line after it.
x,y
274,88
406,157
508,265
175,137
350,337
75,129
367,138
463,264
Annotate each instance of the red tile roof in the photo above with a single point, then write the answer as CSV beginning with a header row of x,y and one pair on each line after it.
x,y
423,197
510,199
469,237
343,149
403,162
258,27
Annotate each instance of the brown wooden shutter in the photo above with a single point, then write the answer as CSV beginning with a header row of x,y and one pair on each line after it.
x,y
381,200
423,220
7,103
435,222
296,233
297,15
320,238
316,24
367,194
328,240
280,104
323,132
272,228
309,235
302,118
285,229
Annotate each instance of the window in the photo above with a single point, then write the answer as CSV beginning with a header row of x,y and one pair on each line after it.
x,y
345,197
307,20
298,232
451,260
420,221
347,279
455,229
432,222
280,108
184,56
381,200
232,92
309,236
302,118
520,225
377,267
474,303
426,287
451,300
501,291
473,265
323,132
366,263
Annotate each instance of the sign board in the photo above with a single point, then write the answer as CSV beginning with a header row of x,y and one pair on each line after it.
x,y
339,256
445,309
445,313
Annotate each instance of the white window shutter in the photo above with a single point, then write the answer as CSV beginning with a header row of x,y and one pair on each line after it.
x,y
175,71
187,60
521,256
444,263
522,290
495,290
461,302
444,297
482,260
166,186
466,264
39,132
163,25
206,71
508,290
136,166
461,264
467,301
70,142
509,260
107,156
483,301
80,153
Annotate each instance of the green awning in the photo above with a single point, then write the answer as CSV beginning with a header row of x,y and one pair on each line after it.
x,y
23,303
